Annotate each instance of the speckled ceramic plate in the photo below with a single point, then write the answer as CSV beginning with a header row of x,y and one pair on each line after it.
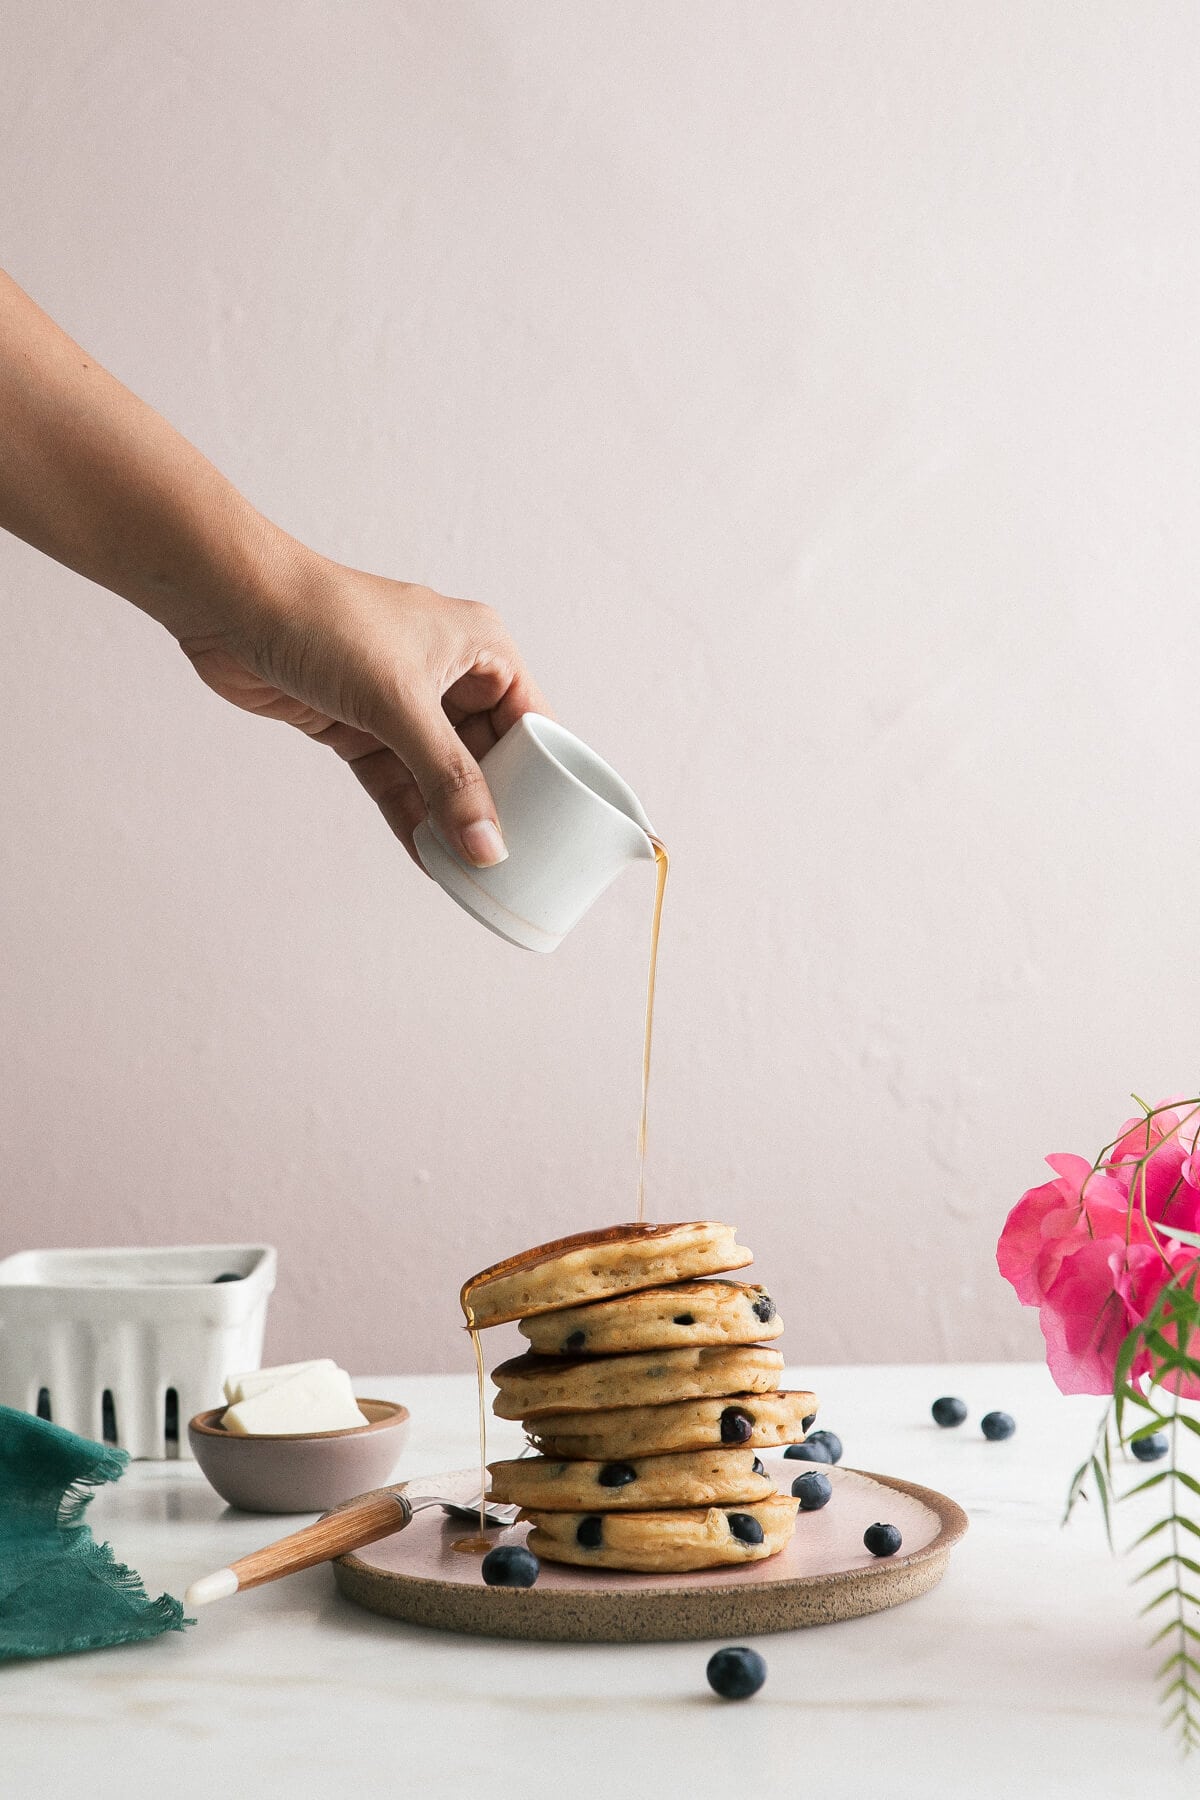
x,y
825,1573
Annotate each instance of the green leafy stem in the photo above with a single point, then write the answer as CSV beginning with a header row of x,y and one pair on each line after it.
x,y
1165,1337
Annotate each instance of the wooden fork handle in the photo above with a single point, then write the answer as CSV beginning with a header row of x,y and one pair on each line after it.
x,y
364,1522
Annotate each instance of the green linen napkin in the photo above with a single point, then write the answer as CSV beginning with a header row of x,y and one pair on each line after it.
x,y
59,1589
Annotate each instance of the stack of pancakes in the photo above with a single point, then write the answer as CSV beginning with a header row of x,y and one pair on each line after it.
x,y
647,1392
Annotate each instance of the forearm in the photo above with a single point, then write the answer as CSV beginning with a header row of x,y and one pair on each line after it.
x,y
407,685
96,479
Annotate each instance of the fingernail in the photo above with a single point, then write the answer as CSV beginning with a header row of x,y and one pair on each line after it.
x,y
483,844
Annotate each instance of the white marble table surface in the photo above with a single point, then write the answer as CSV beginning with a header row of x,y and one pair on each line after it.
x,y
1024,1674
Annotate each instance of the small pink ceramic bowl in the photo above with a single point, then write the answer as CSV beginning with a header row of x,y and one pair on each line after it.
x,y
306,1471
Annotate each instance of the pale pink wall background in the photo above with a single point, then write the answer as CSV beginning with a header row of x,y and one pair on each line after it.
x,y
815,390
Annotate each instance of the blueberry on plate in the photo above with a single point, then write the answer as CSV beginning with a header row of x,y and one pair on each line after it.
x,y
882,1540
831,1441
948,1410
997,1425
1150,1447
812,1450
736,1673
510,1565
812,1490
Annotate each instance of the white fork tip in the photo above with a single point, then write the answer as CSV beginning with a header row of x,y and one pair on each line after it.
x,y
218,1586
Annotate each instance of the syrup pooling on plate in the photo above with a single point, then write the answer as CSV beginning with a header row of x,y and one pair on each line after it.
x,y
661,865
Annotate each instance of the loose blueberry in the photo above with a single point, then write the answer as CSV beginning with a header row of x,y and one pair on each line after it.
x,y
510,1565
576,1341
229,1275
812,1490
745,1527
736,1673
812,1451
617,1475
997,1425
685,1318
1149,1449
758,1468
589,1532
882,1540
807,1424
831,1441
764,1309
737,1426
948,1410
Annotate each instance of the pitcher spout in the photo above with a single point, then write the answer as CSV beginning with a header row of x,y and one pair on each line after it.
x,y
570,823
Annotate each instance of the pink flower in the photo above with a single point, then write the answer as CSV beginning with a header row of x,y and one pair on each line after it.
x,y
1092,1248
1040,1229
1136,1136
1086,1316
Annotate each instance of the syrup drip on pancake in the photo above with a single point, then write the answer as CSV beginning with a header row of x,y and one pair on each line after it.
x,y
480,1545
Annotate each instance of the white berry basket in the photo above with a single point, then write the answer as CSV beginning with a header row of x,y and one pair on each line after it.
x,y
127,1345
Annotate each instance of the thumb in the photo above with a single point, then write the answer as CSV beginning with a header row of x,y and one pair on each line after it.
x,y
453,788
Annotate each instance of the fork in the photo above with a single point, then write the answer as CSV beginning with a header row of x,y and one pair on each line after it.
x,y
348,1527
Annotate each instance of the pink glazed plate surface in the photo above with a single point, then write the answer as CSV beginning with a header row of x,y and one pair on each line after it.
x,y
823,1575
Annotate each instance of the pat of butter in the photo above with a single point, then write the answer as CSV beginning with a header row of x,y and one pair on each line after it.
x,y
256,1381
313,1400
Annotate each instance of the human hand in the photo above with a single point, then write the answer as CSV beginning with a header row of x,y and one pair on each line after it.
x,y
409,687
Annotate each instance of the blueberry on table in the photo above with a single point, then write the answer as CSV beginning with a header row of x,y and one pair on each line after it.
x,y
882,1540
948,1410
510,1565
812,1490
617,1474
812,1450
831,1441
1151,1447
736,1673
746,1528
997,1425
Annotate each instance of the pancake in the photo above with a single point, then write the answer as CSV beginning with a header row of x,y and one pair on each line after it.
x,y
658,1542
594,1265
689,1312
752,1421
691,1478
532,1385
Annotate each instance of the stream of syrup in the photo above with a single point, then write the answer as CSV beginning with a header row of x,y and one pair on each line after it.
x,y
481,1544
662,863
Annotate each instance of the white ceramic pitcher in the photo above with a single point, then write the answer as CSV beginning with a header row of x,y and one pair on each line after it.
x,y
570,824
